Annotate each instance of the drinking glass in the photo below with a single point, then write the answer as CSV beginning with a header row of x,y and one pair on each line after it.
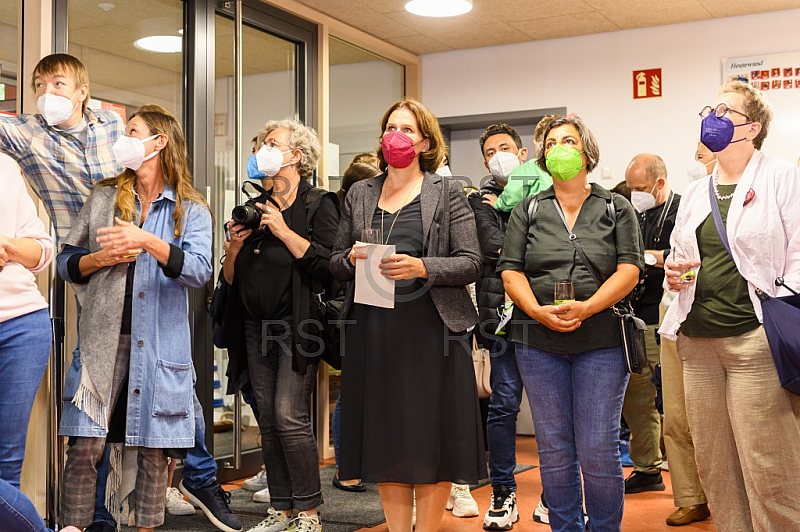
x,y
371,236
564,293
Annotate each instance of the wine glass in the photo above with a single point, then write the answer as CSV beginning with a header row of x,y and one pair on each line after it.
x,y
564,292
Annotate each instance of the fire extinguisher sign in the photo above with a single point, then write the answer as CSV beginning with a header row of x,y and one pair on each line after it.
x,y
647,83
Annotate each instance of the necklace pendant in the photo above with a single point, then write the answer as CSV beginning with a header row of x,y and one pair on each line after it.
x,y
257,251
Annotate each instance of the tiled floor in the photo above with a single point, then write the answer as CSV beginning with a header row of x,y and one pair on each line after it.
x,y
644,512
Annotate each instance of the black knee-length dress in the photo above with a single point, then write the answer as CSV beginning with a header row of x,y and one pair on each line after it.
x,y
410,410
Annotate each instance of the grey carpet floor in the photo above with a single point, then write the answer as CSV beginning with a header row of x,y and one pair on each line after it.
x,y
341,512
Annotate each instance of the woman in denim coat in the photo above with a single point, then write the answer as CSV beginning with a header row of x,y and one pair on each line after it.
x,y
141,241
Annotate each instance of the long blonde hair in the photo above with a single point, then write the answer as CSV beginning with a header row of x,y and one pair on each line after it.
x,y
174,166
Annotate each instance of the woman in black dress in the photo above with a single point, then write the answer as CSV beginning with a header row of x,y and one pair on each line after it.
x,y
410,418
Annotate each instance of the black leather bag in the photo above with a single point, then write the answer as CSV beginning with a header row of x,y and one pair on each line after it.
x,y
632,331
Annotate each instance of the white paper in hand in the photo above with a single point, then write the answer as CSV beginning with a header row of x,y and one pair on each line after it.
x,y
372,288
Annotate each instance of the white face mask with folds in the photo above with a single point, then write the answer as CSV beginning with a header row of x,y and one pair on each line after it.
x,y
444,171
502,164
129,151
643,201
697,170
269,159
55,109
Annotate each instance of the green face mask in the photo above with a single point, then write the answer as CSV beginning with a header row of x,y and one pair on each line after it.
x,y
564,162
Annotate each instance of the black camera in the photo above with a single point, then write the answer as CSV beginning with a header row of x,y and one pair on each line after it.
x,y
247,214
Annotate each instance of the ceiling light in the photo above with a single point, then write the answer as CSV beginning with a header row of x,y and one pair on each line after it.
x,y
163,44
106,6
439,8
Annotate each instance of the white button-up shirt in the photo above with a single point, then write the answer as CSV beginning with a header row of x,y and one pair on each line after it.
x,y
764,235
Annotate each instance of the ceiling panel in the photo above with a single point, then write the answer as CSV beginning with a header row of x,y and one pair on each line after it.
x,y
495,22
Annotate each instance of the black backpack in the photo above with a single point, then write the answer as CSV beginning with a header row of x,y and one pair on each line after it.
x,y
328,300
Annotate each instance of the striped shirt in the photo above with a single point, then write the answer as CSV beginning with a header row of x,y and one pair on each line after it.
x,y
60,168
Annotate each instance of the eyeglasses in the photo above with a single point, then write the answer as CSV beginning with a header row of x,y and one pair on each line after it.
x,y
272,144
720,111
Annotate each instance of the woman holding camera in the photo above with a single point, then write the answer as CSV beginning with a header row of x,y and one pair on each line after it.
x,y
273,265
142,239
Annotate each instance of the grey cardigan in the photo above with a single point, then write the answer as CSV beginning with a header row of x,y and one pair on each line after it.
x,y
452,252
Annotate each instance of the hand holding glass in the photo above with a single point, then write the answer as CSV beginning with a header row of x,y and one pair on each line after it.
x,y
564,293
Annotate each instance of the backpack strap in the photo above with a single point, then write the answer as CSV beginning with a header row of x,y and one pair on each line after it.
x,y
313,202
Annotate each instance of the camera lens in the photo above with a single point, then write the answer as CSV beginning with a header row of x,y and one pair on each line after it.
x,y
246,215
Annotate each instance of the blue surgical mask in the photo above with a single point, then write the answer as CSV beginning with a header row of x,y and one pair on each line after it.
x,y
252,168
716,133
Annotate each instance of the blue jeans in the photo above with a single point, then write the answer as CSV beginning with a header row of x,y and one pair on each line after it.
x,y
503,409
576,402
17,512
24,352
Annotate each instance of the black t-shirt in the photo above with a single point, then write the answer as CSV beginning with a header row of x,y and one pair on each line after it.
x,y
264,268
652,291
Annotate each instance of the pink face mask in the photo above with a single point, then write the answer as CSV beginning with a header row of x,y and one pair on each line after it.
x,y
398,149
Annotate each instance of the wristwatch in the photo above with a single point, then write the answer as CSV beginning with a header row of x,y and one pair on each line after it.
x,y
650,259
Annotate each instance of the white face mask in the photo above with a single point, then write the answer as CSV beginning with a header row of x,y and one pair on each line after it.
x,y
643,201
129,151
697,170
269,159
444,171
55,109
503,163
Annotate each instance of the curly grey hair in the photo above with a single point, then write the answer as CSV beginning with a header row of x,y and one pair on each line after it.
x,y
301,137
590,147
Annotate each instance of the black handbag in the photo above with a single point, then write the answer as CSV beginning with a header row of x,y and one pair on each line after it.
x,y
632,329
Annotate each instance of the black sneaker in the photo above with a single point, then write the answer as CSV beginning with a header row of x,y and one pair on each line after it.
x,y
100,527
639,482
503,512
214,501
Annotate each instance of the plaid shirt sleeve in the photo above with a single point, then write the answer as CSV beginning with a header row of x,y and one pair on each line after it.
x,y
60,168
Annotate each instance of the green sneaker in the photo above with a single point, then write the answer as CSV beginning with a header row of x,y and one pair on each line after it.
x,y
276,521
504,313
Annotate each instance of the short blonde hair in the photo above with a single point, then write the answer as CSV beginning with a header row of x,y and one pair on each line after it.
x,y
430,159
756,107
62,64
301,137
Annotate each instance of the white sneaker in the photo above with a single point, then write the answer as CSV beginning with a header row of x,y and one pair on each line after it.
x,y
502,514
175,504
258,482
261,495
276,521
307,523
461,501
542,513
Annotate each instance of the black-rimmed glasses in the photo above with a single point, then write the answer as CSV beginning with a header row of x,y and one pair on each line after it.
x,y
720,111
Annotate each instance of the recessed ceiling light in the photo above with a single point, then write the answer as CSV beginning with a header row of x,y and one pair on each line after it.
x,y
163,44
439,8
106,6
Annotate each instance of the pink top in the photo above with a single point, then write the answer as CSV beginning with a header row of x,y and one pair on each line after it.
x,y
19,294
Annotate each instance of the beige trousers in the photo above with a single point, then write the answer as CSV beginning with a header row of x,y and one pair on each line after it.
x,y
686,487
746,432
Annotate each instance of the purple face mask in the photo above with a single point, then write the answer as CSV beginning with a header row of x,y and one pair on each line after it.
x,y
716,133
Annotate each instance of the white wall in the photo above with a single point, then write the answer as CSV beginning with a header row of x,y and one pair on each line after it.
x,y
592,76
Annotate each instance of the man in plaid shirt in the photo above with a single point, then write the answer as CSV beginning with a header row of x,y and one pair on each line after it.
x,y
63,151
62,161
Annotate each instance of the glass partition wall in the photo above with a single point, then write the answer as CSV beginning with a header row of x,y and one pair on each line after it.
x,y
9,53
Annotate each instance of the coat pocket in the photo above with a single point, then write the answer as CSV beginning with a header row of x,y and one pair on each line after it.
x,y
173,389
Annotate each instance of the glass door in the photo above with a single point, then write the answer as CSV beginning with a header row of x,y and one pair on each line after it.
x,y
274,74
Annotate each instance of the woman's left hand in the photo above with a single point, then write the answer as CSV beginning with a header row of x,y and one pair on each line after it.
x,y
272,219
400,266
573,310
124,236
